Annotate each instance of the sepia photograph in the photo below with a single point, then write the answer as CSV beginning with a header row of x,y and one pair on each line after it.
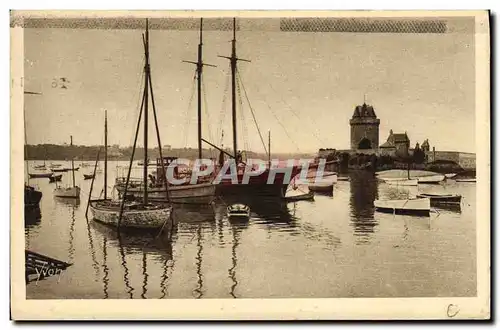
x,y
250,165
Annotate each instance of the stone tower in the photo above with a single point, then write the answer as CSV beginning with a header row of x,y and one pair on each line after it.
x,y
364,128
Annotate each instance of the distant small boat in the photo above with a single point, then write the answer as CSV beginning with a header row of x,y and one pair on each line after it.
x,y
55,178
40,175
431,178
59,170
324,187
298,195
417,206
40,167
54,165
442,198
466,180
65,169
450,175
401,182
88,176
67,192
238,211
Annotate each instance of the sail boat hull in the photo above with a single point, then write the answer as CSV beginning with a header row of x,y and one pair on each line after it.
x,y
67,192
203,193
133,216
257,185
32,197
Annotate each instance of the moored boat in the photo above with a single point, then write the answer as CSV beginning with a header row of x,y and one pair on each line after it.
x,y
67,192
137,214
32,196
88,176
442,198
323,187
431,179
307,196
466,180
38,175
401,182
415,206
238,211
55,177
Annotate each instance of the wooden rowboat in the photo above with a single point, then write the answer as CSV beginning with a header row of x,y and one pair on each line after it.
x,y
308,196
401,182
56,177
442,198
88,176
414,206
466,180
238,211
431,179
40,175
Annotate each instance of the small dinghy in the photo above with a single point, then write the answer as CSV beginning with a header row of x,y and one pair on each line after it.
x,y
438,199
321,187
431,179
303,196
450,175
88,176
55,177
466,180
402,182
238,211
40,175
414,206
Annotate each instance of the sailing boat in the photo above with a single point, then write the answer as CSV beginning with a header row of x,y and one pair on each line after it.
x,y
32,196
71,191
201,192
133,213
257,184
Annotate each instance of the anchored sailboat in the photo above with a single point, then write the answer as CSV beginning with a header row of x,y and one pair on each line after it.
x,y
71,191
258,183
131,212
201,192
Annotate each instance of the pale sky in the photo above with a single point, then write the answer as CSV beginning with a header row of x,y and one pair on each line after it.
x,y
307,83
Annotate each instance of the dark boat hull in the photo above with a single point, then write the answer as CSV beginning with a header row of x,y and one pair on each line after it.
x,y
32,197
403,211
438,200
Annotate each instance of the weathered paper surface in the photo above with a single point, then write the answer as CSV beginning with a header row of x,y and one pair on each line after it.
x,y
351,302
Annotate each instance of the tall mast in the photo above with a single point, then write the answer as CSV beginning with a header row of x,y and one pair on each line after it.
x,y
146,69
72,162
199,68
105,154
233,60
199,71
233,88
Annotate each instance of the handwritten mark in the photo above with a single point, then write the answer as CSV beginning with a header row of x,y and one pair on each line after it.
x,y
452,310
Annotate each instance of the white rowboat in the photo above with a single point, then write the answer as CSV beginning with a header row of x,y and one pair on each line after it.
x,y
419,206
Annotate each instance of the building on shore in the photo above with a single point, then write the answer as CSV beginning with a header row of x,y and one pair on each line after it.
x,y
364,140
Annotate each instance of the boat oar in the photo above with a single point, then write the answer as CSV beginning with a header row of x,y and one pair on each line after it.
x,y
92,185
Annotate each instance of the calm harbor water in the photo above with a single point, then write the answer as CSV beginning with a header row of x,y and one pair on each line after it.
x,y
334,246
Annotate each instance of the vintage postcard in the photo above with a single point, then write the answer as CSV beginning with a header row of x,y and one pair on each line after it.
x,y
250,165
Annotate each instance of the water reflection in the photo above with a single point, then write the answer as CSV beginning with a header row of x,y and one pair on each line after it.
x,y
199,247
364,191
236,229
151,246
144,275
105,269
126,273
